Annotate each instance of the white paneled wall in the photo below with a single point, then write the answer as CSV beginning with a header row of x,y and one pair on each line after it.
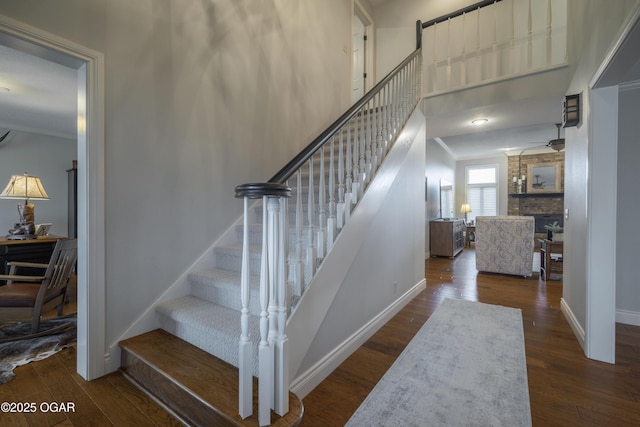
x,y
507,39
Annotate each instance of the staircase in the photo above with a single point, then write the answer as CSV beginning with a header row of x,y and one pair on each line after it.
x,y
189,364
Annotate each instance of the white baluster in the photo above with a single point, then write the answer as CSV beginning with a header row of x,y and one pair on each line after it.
x,y
362,150
311,248
332,220
478,57
513,39
549,30
322,213
387,121
448,73
494,52
463,63
245,354
299,279
375,133
530,40
368,141
435,59
341,193
281,404
356,168
349,183
265,363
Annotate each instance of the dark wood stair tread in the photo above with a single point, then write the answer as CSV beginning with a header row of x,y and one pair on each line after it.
x,y
197,386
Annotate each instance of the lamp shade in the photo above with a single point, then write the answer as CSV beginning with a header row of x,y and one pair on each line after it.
x,y
465,208
24,187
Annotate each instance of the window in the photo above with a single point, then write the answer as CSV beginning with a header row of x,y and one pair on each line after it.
x,y
482,190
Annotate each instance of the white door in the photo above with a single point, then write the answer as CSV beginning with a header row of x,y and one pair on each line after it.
x,y
359,59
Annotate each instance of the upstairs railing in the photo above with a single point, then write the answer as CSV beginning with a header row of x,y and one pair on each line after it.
x,y
478,45
316,192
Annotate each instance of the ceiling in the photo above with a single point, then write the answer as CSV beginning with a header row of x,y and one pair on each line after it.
x,y
37,95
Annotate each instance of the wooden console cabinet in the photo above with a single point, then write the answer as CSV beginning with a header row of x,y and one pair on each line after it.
x,y
446,237
32,250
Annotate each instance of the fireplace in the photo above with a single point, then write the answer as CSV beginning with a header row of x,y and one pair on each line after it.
x,y
542,220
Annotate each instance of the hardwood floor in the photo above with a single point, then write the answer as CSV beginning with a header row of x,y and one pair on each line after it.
x,y
566,388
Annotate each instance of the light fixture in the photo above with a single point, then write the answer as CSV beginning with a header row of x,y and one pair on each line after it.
x,y
571,110
24,187
465,209
479,121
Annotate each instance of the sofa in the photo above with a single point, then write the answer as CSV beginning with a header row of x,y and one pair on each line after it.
x,y
504,244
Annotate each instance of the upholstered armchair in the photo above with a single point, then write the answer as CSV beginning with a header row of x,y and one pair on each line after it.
x,y
504,244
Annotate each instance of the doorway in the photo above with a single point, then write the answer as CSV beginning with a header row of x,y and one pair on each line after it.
x,y
90,154
361,53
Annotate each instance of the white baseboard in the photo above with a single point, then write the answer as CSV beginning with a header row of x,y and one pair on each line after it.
x,y
307,381
573,322
628,317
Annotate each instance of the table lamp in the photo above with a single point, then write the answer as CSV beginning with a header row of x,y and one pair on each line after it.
x,y
465,209
24,187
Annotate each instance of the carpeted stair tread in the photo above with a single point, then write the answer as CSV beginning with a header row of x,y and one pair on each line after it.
x,y
192,319
222,287
200,388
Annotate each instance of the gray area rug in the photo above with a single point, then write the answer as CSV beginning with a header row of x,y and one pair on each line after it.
x,y
19,351
465,367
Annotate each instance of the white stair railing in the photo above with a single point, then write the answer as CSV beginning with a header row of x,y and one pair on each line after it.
x,y
354,148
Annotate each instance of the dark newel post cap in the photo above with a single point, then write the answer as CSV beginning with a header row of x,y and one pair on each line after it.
x,y
258,190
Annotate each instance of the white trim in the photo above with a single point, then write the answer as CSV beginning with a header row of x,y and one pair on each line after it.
x,y
629,86
91,356
600,339
489,82
309,379
613,51
628,317
573,322
444,146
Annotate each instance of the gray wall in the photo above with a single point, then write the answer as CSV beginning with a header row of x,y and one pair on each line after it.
x,y
47,157
200,97
627,272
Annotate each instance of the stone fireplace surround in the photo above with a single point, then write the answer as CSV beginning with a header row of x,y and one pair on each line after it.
x,y
545,208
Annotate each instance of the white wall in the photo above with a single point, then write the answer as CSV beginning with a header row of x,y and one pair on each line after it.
x,y
200,97
396,27
47,157
627,272
348,294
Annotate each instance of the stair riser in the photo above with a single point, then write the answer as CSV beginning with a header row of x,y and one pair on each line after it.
x,y
172,395
226,296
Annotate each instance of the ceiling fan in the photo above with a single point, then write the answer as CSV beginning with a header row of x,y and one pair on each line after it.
x,y
558,143
555,144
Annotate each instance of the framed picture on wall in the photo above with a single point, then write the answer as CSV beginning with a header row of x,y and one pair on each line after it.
x,y
544,178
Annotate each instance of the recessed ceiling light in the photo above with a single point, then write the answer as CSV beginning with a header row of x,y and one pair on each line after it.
x,y
479,121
